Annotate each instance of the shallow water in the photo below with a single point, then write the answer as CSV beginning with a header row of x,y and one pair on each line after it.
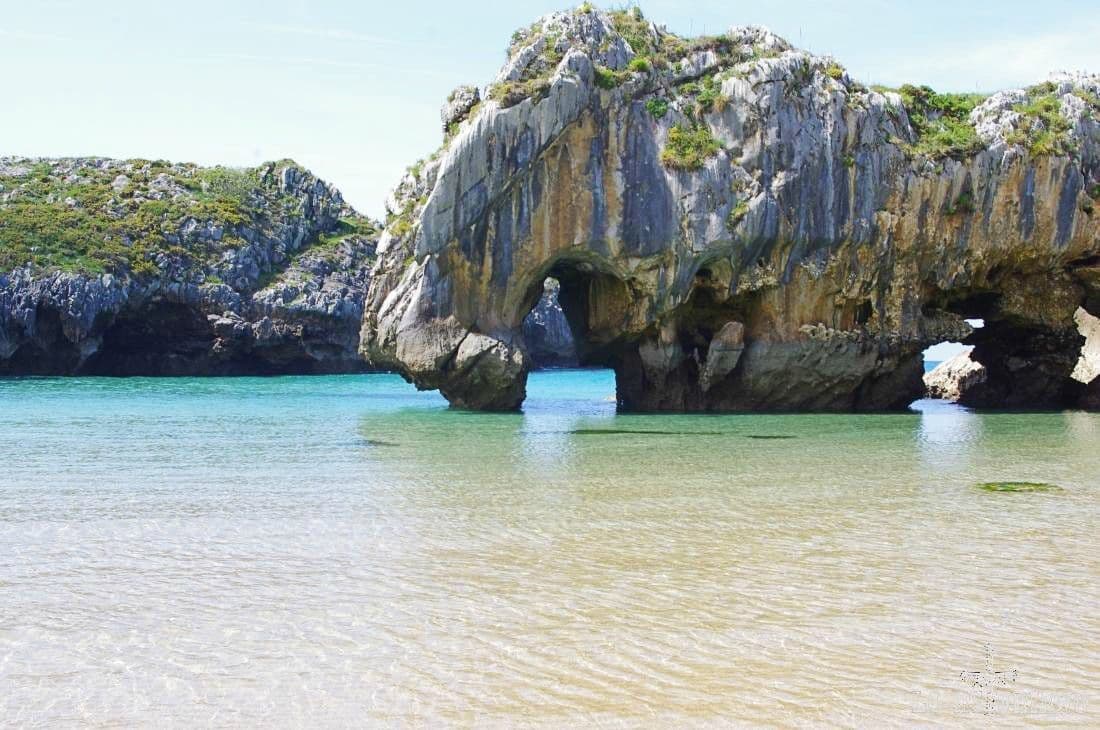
x,y
345,551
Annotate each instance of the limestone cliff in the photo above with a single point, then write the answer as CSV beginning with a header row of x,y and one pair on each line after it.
x,y
138,267
739,225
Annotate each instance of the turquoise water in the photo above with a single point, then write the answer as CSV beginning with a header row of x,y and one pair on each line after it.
x,y
344,550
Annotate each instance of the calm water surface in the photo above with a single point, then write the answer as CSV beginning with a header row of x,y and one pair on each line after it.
x,y
345,551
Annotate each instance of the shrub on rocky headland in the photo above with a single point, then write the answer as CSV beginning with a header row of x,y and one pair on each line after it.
x,y
149,218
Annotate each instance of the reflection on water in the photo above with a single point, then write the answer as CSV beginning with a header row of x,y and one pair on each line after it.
x,y
335,551
948,434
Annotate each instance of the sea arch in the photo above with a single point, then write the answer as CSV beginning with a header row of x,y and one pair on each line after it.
x,y
803,259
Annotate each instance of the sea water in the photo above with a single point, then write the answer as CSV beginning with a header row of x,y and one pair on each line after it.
x,y
337,551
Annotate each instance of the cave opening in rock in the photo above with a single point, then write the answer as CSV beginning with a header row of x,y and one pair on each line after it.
x,y
950,368
49,353
576,312
1014,355
161,338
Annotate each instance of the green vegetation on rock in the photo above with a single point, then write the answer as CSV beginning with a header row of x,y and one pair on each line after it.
x,y
1043,129
657,106
346,228
662,50
510,93
634,28
608,79
705,94
400,224
962,204
941,122
119,218
1092,100
710,96
688,148
134,216
738,213
655,49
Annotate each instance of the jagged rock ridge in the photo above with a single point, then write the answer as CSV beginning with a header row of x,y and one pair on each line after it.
x,y
739,225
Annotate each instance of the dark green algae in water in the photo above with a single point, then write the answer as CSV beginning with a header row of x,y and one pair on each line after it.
x,y
1020,487
650,432
642,432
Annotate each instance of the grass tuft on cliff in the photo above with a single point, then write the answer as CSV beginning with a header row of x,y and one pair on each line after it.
x,y
348,227
941,122
688,148
1043,129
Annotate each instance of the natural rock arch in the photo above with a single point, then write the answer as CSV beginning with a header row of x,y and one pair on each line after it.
x,y
741,227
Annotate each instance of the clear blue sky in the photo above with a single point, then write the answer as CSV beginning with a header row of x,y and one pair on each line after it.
x,y
352,89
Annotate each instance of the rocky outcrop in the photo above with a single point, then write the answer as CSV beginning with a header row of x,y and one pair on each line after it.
x,y
173,269
739,225
1088,367
458,106
954,377
547,334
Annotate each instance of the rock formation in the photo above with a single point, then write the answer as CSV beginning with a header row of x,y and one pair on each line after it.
x,y
963,379
136,267
546,332
1088,367
739,225
954,377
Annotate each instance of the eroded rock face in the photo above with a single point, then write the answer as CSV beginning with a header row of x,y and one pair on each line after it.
x,y
458,106
737,225
275,286
963,379
1088,366
954,377
546,332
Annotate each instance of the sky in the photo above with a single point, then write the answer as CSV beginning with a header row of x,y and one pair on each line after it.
x,y
352,90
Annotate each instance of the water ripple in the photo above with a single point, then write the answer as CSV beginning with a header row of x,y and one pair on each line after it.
x,y
338,551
